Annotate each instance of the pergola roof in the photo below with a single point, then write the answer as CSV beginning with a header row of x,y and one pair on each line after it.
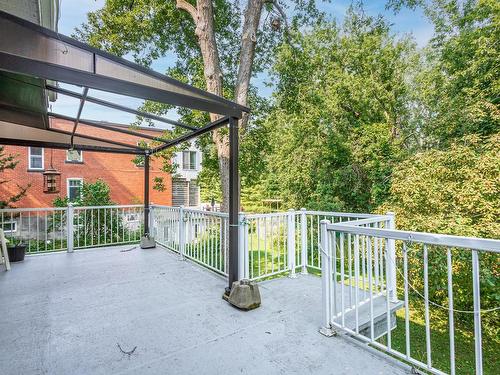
x,y
33,57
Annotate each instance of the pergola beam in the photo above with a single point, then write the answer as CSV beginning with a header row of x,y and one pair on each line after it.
x,y
186,137
111,128
65,146
234,202
89,137
79,113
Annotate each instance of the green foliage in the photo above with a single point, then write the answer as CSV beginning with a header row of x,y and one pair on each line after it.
x,y
150,29
457,89
92,194
456,191
9,162
341,117
159,184
97,226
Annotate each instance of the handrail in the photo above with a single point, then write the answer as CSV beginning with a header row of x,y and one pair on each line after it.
x,y
474,243
340,214
271,214
40,209
109,206
370,220
9,210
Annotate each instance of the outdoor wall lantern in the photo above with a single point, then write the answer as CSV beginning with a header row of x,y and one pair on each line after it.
x,y
51,181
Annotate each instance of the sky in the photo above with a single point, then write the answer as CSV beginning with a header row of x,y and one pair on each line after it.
x,y
73,14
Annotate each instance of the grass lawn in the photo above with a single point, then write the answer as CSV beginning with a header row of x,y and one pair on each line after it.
x,y
440,347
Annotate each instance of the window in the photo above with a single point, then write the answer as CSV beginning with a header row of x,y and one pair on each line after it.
x,y
179,192
35,161
194,193
74,156
74,188
185,193
189,160
9,227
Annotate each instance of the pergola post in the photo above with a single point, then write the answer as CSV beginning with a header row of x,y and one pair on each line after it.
x,y
244,294
146,241
234,200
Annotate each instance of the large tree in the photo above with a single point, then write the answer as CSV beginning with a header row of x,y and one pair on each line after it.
x,y
341,119
217,46
457,90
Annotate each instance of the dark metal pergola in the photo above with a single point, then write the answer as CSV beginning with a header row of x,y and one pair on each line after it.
x,y
33,59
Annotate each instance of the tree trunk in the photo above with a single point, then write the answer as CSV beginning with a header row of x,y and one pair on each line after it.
x,y
247,54
213,76
203,17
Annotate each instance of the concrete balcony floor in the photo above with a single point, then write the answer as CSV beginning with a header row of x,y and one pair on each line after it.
x,y
67,313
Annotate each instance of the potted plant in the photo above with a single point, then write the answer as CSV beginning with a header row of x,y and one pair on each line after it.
x,y
16,249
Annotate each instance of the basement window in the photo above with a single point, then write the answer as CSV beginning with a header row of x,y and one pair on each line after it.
x,y
9,227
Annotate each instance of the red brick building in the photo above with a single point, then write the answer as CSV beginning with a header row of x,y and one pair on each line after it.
x,y
125,179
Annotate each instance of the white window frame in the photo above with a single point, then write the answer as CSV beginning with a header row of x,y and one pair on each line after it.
x,y
195,167
31,168
14,227
73,179
74,161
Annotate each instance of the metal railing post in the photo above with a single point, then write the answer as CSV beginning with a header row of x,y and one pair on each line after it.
x,y
291,242
476,293
152,228
303,240
242,248
326,279
182,232
70,214
391,253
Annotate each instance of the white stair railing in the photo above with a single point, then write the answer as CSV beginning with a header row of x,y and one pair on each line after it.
x,y
366,241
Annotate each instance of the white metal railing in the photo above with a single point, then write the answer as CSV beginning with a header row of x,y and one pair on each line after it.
x,y
69,228
95,226
347,246
270,244
267,245
41,229
310,233
201,236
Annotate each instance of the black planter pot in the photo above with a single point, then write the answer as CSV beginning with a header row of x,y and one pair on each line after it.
x,y
16,253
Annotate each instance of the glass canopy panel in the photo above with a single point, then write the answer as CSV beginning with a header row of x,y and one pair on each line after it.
x,y
116,70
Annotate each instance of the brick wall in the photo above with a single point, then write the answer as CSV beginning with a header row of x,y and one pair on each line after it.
x,y
125,179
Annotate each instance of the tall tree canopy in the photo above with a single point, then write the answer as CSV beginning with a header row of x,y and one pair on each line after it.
x,y
459,84
341,115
